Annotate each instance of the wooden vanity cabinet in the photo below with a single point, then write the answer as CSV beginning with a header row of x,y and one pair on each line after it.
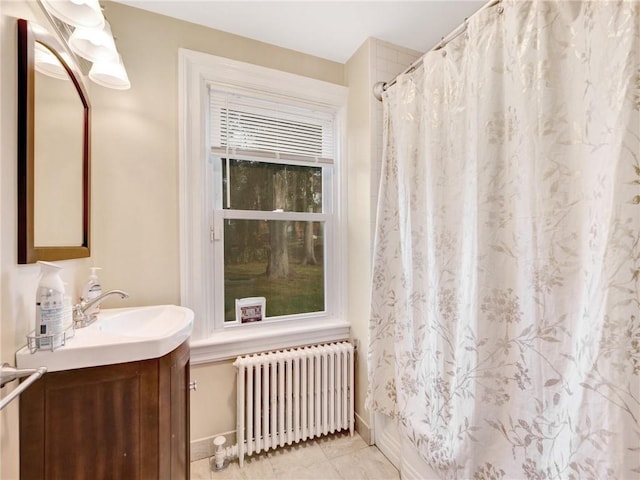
x,y
123,421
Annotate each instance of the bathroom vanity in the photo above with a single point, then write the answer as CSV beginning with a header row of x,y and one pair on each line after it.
x,y
122,421
114,403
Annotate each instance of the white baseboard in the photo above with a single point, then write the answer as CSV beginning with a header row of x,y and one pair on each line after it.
x,y
203,447
400,452
364,430
388,439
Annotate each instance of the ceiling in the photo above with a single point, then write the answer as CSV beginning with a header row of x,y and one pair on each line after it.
x,y
328,29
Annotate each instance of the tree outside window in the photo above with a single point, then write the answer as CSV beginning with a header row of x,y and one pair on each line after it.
x,y
281,260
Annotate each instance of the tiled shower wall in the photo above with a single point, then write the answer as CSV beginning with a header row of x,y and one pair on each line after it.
x,y
388,60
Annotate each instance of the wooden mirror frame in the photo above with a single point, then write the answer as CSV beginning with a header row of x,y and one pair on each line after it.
x,y
28,252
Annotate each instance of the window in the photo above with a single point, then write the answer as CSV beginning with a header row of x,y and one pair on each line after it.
x,y
261,210
273,177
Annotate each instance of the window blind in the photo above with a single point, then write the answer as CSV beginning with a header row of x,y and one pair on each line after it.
x,y
264,128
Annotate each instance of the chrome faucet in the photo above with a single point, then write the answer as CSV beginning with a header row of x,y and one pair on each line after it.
x,y
84,314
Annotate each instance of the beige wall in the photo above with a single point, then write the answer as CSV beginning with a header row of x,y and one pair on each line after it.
x,y
359,166
135,145
17,282
135,158
134,188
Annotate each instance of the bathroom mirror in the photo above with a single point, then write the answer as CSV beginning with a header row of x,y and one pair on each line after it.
x,y
53,150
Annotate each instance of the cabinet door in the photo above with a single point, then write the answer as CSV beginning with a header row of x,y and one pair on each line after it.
x,y
91,423
174,414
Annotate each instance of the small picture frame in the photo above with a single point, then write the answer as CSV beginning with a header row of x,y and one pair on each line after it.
x,y
250,309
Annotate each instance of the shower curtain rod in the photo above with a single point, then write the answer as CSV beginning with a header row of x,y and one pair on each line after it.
x,y
380,87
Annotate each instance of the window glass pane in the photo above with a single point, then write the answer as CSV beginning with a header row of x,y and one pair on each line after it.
x,y
282,261
249,185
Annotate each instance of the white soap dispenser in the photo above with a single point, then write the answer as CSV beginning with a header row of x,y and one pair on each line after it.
x,y
50,310
92,289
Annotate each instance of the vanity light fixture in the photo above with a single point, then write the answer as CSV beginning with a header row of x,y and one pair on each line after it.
x,y
79,13
110,73
91,39
94,44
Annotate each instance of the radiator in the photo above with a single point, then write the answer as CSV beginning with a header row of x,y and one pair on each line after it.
x,y
292,395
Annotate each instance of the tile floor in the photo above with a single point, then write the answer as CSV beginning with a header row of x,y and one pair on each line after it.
x,y
335,457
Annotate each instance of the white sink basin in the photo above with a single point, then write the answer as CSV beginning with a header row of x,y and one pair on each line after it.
x,y
143,322
119,335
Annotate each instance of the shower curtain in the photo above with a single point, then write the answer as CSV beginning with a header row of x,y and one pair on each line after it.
x,y
505,329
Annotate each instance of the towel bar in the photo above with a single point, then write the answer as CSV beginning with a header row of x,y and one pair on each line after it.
x,y
9,374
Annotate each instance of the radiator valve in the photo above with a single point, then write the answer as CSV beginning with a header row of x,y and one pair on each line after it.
x,y
220,458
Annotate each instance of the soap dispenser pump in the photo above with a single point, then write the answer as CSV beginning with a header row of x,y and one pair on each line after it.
x,y
92,289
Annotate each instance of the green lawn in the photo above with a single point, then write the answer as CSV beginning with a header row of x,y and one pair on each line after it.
x,y
303,292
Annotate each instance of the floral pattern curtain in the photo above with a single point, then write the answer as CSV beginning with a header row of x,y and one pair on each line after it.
x,y
505,329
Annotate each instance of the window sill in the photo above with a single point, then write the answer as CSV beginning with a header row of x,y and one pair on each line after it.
x,y
231,343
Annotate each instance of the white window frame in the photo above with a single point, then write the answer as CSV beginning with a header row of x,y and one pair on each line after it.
x,y
211,341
